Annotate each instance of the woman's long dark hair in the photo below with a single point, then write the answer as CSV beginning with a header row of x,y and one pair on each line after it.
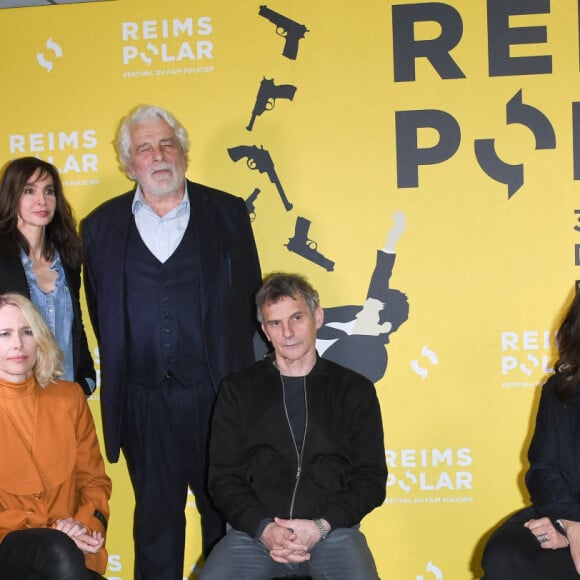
x,y
60,234
567,366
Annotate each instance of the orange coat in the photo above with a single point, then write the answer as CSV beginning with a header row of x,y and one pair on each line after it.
x,y
50,465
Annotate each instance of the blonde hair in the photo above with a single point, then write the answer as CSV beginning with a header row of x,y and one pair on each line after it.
x,y
49,359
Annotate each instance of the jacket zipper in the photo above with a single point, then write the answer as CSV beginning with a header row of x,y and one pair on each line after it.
x,y
299,454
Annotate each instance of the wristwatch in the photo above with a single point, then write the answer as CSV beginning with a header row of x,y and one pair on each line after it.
x,y
560,527
321,529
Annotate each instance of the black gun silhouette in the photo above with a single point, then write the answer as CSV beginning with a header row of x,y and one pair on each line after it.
x,y
259,158
303,246
289,29
250,204
267,95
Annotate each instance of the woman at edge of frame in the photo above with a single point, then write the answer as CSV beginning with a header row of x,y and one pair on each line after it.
x,y
542,541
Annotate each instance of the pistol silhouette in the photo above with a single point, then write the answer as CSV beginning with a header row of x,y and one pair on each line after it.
x,y
267,95
259,158
301,244
250,204
289,29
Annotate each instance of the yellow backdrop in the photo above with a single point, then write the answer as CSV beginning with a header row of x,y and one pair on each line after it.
x,y
462,114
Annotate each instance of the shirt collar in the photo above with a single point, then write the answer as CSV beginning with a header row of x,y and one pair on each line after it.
x,y
27,262
139,201
25,259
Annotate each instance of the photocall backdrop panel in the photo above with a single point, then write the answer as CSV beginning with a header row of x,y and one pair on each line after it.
x,y
454,125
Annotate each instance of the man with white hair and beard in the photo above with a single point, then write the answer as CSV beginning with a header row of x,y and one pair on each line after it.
x,y
171,269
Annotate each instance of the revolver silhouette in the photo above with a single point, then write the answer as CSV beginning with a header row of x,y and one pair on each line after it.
x,y
250,204
267,95
289,29
260,159
302,245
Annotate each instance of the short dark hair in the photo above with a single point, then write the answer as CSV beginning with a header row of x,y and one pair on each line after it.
x,y
280,285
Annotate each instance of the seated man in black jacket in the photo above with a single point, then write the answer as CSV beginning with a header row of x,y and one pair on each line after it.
x,y
297,454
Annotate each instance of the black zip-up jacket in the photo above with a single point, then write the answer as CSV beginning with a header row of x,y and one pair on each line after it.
x,y
255,470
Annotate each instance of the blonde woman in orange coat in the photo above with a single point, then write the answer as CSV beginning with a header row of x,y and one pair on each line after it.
x,y
54,492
